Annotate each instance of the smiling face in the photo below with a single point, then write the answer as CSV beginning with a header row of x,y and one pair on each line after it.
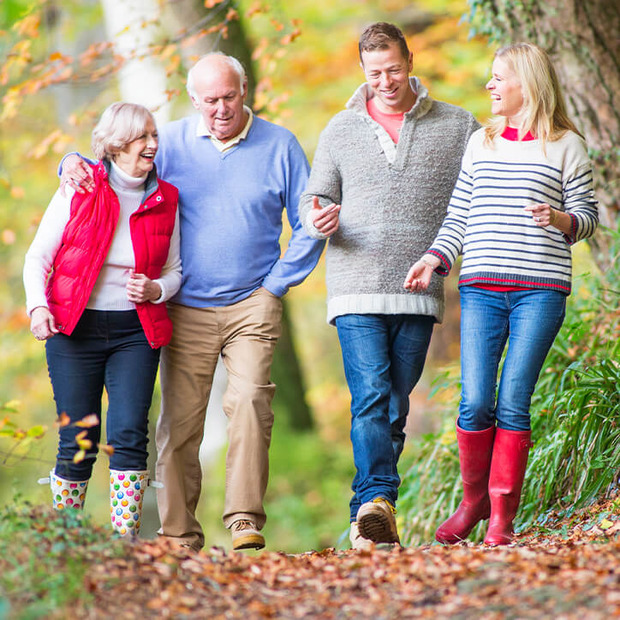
x,y
219,96
506,93
136,158
387,72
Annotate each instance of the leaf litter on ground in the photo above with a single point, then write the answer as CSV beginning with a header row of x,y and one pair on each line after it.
x,y
566,569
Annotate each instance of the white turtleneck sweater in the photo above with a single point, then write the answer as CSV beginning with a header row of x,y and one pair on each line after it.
x,y
109,292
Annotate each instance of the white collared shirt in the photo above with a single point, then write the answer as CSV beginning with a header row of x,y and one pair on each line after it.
x,y
202,131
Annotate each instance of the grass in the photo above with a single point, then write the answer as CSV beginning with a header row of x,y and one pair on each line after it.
x,y
45,555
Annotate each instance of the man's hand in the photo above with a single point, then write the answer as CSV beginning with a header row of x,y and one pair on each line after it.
x,y
76,173
325,219
42,323
141,289
419,276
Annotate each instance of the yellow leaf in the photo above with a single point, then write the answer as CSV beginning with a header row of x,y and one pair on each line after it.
x,y
78,457
12,405
84,444
606,524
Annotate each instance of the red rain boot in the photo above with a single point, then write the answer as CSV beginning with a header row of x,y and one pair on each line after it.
x,y
475,450
510,453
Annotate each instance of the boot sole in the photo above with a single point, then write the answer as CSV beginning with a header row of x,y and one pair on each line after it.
x,y
251,541
376,527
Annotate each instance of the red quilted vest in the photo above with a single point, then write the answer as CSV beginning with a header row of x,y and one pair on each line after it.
x,y
86,241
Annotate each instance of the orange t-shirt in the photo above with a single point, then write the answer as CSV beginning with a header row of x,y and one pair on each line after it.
x,y
390,122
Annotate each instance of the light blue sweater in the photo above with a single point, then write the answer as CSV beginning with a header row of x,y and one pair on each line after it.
x,y
230,207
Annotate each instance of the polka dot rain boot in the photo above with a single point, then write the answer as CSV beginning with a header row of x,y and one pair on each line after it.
x,y
126,495
66,494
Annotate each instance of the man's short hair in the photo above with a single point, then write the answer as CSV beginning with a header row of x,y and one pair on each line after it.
x,y
380,35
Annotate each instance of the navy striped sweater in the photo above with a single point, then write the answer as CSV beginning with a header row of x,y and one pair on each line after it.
x,y
487,223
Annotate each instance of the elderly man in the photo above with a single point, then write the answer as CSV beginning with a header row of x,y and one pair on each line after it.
x,y
236,173
381,179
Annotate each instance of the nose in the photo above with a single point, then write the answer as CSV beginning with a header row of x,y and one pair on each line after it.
x,y
221,106
489,84
385,80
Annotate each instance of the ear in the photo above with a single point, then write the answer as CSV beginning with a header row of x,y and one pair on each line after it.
x,y
410,62
244,94
195,102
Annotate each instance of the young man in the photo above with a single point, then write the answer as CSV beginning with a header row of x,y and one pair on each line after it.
x,y
382,176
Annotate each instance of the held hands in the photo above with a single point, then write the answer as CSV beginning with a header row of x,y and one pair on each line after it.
x,y
76,173
325,219
42,323
419,276
141,289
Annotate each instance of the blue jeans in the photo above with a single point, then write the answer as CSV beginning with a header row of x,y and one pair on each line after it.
x,y
529,321
106,349
383,359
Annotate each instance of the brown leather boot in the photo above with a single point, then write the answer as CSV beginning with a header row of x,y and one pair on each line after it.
x,y
510,453
475,450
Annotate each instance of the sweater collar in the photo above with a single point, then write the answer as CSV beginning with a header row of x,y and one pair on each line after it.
x,y
104,170
423,103
122,180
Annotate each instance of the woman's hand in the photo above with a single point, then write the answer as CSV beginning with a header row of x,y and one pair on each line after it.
x,y
544,215
141,289
419,276
42,323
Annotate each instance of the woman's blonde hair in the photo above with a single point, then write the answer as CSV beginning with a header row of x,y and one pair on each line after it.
x,y
120,124
544,108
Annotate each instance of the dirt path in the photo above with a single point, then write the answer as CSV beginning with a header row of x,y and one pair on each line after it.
x,y
570,572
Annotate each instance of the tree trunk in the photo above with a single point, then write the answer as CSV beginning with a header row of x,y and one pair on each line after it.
x,y
582,39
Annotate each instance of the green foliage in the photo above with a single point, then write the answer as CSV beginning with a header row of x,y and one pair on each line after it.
x,y
45,555
307,497
575,422
21,439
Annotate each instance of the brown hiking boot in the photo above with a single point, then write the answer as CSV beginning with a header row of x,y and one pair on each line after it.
x,y
358,542
376,521
245,535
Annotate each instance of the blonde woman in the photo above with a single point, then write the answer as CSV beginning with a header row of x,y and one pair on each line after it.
x,y
523,197
97,275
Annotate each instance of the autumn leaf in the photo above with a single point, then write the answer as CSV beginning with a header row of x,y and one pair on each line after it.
x,y
606,524
63,420
82,441
79,456
106,448
88,421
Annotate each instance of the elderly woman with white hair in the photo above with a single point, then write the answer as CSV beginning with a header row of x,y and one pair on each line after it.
x,y
97,275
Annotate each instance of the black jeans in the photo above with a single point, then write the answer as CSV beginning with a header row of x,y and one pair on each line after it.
x,y
106,349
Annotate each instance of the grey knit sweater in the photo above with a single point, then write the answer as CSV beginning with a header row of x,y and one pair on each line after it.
x,y
394,199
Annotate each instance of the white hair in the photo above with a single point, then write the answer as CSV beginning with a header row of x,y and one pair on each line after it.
x,y
120,124
231,61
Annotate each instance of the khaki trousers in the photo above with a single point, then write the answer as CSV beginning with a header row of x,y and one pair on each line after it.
x,y
245,334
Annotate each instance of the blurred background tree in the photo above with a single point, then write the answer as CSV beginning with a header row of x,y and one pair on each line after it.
x,y
62,63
